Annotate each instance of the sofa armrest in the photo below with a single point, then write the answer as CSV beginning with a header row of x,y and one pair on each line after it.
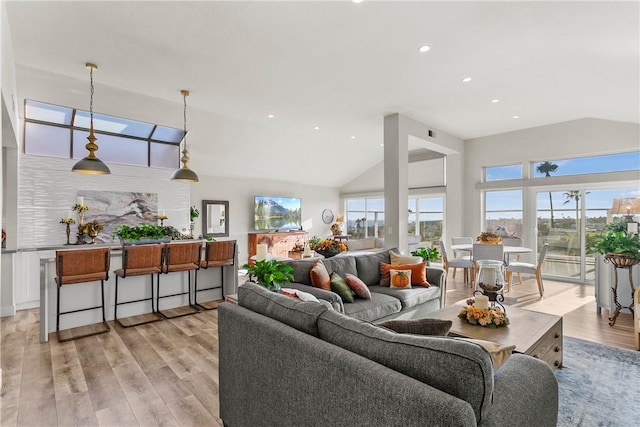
x,y
438,277
525,393
333,298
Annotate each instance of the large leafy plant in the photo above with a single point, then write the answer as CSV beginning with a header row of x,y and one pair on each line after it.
x,y
271,274
427,254
615,239
141,231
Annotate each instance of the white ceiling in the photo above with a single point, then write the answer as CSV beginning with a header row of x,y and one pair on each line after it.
x,y
342,66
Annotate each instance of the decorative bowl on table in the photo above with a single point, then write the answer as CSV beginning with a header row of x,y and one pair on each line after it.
x,y
489,238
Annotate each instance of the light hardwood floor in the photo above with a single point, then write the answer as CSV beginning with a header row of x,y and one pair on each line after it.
x,y
166,373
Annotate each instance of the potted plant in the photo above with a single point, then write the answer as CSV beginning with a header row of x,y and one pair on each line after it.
x,y
618,246
427,254
271,274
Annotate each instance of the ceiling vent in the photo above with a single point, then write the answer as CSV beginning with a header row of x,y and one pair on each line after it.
x,y
432,134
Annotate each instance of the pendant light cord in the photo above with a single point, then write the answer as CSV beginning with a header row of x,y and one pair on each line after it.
x,y
184,96
91,98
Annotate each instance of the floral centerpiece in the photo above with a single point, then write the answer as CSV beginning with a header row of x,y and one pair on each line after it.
x,y
330,247
492,317
489,238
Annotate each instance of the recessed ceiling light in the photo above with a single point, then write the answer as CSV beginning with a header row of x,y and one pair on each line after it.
x,y
466,80
424,48
353,137
271,116
381,145
357,1
516,116
495,101
316,128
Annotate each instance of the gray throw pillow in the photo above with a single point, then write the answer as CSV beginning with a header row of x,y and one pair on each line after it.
x,y
435,327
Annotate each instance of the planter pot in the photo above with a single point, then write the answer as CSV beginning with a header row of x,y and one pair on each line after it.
x,y
621,261
129,242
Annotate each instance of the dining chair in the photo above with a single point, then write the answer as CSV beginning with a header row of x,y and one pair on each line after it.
x,y
482,251
139,260
217,254
178,258
459,262
510,241
81,266
461,241
525,267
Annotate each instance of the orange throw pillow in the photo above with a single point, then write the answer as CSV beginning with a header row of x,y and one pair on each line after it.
x,y
418,273
320,276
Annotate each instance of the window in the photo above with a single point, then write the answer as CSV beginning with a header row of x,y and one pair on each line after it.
x,y
365,217
501,173
587,165
52,130
503,209
426,215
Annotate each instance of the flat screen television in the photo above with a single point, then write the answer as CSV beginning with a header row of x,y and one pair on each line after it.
x,y
277,213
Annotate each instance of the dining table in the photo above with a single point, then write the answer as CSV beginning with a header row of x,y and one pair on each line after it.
x,y
508,250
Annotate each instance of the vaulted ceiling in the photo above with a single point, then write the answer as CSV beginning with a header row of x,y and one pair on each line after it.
x,y
342,66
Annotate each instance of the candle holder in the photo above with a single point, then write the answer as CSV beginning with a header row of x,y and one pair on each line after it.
x,y
67,221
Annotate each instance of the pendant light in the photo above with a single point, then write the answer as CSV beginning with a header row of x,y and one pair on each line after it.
x,y
184,173
91,164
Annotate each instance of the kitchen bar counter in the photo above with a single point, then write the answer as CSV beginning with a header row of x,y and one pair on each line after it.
x,y
85,295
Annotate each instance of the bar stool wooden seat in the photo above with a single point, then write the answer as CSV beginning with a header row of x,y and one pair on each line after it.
x,y
82,266
178,258
217,254
139,261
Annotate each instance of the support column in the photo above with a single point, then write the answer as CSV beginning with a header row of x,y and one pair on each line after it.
x,y
396,179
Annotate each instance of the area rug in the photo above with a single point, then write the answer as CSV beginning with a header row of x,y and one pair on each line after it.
x,y
598,385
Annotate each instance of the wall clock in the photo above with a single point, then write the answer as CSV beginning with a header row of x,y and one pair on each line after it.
x,y
327,216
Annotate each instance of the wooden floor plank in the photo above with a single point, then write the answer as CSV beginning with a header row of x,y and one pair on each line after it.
x,y
120,415
153,412
191,412
76,410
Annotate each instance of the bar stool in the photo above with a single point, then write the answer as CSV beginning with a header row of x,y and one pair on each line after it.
x,y
178,258
217,254
82,266
139,261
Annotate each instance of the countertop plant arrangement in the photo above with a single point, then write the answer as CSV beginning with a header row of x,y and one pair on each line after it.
x,y
427,254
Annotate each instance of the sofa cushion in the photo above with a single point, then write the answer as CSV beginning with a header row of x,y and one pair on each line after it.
x,y
434,327
457,367
378,306
404,259
301,270
298,314
368,267
342,265
418,273
340,287
357,286
320,277
408,297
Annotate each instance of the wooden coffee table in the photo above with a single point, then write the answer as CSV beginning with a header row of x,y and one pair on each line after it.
x,y
536,334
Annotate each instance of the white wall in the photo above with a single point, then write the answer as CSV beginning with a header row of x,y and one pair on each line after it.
x,y
240,192
47,190
577,138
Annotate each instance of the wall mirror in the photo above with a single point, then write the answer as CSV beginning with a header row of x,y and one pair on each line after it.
x,y
215,218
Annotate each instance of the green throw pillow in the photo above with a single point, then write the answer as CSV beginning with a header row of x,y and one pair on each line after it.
x,y
340,287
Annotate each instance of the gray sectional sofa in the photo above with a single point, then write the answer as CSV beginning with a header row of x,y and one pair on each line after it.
x,y
385,303
284,362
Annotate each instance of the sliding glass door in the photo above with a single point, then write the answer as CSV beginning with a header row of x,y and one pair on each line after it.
x,y
569,219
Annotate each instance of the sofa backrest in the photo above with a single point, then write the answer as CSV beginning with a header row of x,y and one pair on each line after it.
x,y
368,266
298,314
456,367
361,244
